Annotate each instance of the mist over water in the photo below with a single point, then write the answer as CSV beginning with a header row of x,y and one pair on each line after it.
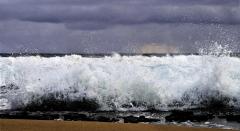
x,y
123,82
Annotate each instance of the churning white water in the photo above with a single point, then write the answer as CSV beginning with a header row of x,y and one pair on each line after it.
x,y
114,81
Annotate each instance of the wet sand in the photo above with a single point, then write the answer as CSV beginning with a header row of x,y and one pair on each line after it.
x,y
40,125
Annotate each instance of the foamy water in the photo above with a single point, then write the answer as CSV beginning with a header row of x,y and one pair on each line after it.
x,y
115,81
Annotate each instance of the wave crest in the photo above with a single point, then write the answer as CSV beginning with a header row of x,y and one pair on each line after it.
x,y
121,82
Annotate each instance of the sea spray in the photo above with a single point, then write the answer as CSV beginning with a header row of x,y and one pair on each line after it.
x,y
215,49
121,82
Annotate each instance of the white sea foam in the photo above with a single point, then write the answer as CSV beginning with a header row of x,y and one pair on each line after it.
x,y
120,80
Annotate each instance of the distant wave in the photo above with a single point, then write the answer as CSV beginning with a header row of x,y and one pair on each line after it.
x,y
120,82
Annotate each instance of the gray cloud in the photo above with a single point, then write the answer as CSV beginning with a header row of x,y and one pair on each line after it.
x,y
97,15
149,2
48,37
93,26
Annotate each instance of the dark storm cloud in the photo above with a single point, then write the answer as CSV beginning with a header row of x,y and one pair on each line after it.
x,y
92,26
93,14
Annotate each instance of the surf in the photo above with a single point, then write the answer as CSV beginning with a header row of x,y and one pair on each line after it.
x,y
122,82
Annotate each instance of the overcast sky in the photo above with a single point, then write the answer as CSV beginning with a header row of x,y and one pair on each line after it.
x,y
105,26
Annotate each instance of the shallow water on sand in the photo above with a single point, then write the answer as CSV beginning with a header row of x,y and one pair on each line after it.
x,y
217,121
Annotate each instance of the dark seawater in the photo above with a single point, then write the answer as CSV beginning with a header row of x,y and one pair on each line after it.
x,y
184,89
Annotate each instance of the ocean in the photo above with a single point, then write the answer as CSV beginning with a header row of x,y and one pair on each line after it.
x,y
153,86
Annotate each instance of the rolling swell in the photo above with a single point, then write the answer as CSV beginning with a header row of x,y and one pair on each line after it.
x,y
119,83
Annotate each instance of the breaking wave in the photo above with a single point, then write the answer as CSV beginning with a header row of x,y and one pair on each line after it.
x,y
120,82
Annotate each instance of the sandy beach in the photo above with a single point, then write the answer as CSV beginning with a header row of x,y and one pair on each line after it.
x,y
38,125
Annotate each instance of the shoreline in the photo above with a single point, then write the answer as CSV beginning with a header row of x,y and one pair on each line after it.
x,y
53,125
